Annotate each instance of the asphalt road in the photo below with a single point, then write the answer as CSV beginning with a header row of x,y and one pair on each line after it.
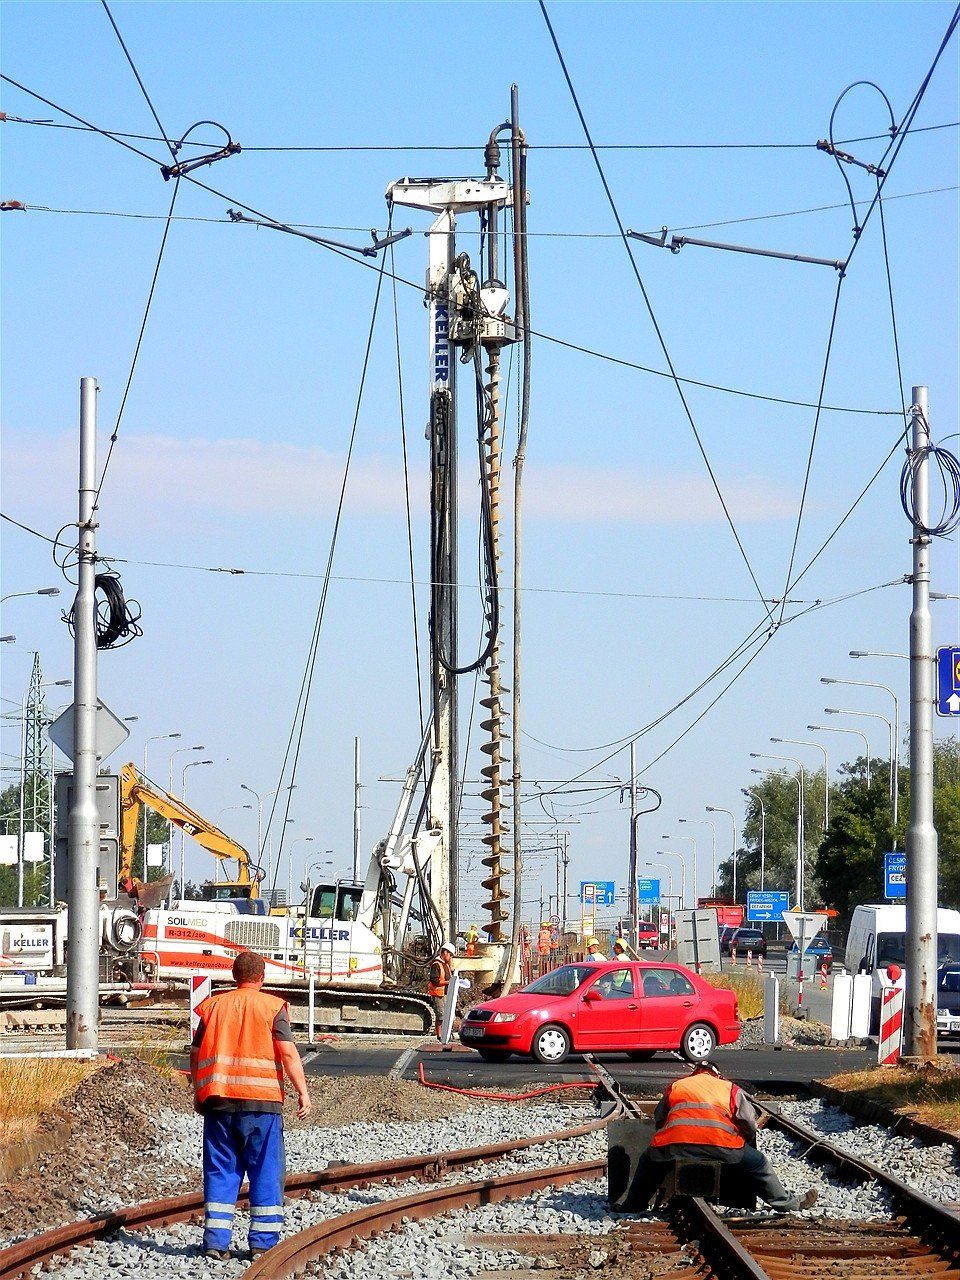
x,y
761,1069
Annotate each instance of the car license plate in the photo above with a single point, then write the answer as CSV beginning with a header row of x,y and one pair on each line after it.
x,y
471,1032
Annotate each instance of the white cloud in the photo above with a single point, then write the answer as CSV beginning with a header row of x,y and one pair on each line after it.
x,y
159,476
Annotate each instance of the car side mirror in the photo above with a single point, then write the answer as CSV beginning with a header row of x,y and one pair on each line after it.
x,y
592,996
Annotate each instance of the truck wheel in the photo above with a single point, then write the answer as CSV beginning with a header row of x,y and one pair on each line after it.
x,y
551,1044
698,1042
494,1055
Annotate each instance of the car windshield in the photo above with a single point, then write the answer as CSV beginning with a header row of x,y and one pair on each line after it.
x,y
563,981
949,979
891,948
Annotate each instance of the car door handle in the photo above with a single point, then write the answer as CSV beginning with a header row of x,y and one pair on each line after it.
x,y
688,1004
633,1006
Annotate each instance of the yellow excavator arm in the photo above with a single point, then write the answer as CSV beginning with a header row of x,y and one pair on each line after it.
x,y
136,791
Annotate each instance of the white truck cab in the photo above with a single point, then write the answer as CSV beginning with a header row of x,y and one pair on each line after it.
x,y
877,937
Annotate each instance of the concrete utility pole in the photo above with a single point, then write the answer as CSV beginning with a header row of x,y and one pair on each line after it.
x,y
920,1020
356,808
632,892
83,959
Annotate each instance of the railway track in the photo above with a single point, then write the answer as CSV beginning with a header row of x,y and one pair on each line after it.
x,y
920,1238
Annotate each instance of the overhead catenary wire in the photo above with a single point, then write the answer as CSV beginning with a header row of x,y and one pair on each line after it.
x,y
139,79
650,311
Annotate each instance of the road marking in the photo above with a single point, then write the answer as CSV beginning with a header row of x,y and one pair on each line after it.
x,y
401,1064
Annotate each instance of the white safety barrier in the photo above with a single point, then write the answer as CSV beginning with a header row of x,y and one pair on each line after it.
x,y
860,1006
891,1026
771,1009
200,988
311,1005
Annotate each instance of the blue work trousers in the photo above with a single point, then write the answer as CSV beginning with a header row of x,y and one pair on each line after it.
x,y
238,1143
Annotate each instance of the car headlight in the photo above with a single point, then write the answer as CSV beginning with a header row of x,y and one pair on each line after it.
x,y
504,1017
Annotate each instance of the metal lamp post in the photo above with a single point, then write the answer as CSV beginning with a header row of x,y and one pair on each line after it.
x,y
696,890
870,715
43,591
827,728
157,737
192,764
673,853
712,808
801,878
895,753
763,831
705,822
801,742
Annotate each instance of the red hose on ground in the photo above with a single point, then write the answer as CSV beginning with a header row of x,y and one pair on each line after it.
x,y
504,1097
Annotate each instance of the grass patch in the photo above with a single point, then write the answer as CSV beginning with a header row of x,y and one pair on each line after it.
x,y
29,1086
748,988
930,1094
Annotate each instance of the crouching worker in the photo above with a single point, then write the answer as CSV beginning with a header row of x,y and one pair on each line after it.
x,y
704,1117
241,1050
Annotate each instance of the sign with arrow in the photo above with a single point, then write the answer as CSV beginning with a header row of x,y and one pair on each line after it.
x,y
948,681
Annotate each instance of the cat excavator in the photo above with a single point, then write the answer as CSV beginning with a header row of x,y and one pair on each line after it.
x,y
137,792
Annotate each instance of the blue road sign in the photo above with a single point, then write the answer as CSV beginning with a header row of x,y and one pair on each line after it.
x,y
948,681
895,875
648,891
602,893
767,905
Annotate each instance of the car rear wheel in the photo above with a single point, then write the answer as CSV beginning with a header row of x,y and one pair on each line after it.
x,y
551,1044
494,1055
698,1042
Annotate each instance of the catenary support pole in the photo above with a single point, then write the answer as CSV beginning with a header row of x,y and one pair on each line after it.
x,y
23,797
920,1023
83,977
356,808
633,896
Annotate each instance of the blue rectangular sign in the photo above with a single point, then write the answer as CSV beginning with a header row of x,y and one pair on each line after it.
x,y
948,681
648,891
767,904
895,875
601,893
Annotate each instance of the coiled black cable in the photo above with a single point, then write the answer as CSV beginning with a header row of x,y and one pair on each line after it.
x,y
116,619
948,468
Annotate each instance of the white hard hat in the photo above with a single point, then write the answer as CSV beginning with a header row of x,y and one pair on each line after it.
x,y
448,946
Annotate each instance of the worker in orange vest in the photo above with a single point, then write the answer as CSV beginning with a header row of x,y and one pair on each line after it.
x,y
241,1051
441,973
704,1117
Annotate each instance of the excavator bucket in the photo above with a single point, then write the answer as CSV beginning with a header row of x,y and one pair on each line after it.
x,y
152,893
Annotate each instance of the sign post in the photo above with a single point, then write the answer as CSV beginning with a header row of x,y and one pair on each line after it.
x,y
804,926
698,939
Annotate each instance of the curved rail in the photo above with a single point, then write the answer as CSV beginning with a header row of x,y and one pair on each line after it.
x,y
18,1259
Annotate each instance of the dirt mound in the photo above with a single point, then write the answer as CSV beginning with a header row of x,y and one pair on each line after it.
x,y
344,1100
89,1139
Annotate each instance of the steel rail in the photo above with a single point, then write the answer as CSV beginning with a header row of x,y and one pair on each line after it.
x,y
18,1259
291,1255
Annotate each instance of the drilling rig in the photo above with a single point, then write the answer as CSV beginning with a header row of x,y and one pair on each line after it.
x,y
468,325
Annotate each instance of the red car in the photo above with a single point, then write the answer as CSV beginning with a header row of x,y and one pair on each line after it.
x,y
648,935
634,1008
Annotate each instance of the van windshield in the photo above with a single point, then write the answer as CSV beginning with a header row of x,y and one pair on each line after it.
x,y
891,948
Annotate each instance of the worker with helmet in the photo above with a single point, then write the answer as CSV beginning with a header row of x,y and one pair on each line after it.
x,y
441,973
704,1117
471,938
593,951
622,950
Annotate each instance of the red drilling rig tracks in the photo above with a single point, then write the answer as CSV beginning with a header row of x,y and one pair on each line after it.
x,y
18,1259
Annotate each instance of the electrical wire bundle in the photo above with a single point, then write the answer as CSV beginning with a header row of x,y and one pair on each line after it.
x,y
117,620
948,468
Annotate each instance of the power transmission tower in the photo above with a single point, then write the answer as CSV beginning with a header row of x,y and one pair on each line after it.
x,y
37,759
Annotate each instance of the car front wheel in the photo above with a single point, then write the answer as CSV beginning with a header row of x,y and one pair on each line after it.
x,y
698,1042
551,1044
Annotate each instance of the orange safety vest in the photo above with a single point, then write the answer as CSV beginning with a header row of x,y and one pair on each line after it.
x,y
238,1057
439,977
701,1113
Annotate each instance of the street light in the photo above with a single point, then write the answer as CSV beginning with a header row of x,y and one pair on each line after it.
x,y
711,808
7,639
763,829
874,653
895,754
826,728
191,764
696,891
44,591
673,853
869,715
298,840
705,822
801,878
800,742
256,796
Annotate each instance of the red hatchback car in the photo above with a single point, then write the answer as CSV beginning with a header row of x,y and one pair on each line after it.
x,y
634,1008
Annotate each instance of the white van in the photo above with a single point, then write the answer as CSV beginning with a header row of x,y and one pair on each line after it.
x,y
877,938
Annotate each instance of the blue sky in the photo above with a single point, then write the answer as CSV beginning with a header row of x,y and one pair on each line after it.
x,y
234,434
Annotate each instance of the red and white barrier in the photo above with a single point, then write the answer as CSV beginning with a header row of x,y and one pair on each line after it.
x,y
200,988
760,964
891,1026
823,977
749,959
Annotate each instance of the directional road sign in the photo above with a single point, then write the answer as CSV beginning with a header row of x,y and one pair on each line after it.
x,y
767,904
648,891
895,875
111,732
600,892
948,681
